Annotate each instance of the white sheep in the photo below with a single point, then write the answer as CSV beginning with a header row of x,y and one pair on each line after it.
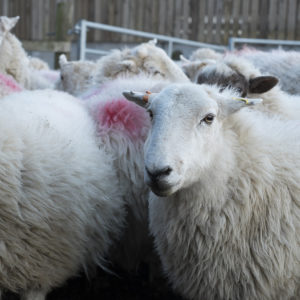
x,y
13,59
148,59
198,59
76,77
123,127
205,53
8,85
31,73
225,210
283,64
247,80
61,204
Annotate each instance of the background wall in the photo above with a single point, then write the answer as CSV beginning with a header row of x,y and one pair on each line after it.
x,y
211,21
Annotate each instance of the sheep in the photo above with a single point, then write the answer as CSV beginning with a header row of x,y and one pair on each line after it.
x,y
8,85
224,207
198,59
192,68
243,76
31,73
13,59
145,58
205,53
61,202
76,77
283,64
122,127
38,64
79,76
279,63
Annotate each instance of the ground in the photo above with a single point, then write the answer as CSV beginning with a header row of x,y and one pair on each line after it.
x,y
104,286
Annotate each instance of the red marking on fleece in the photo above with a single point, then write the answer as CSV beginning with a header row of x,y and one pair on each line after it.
x,y
123,116
9,83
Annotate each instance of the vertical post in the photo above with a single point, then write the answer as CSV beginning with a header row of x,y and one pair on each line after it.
x,y
64,22
82,39
231,44
170,48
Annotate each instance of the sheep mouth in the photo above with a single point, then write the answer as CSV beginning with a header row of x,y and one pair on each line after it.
x,y
162,189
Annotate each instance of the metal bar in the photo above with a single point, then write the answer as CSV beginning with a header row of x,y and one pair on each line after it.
x,y
95,51
82,39
170,48
234,40
150,35
83,24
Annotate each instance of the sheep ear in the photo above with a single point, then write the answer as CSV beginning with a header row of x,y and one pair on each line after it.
x,y
153,42
7,24
62,60
262,84
142,99
184,59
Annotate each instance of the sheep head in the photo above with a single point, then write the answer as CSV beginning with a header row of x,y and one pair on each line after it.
x,y
186,132
237,74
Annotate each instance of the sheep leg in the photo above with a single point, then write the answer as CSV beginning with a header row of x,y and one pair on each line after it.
x,y
34,295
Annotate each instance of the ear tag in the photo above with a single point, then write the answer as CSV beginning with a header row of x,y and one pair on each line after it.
x,y
249,101
146,96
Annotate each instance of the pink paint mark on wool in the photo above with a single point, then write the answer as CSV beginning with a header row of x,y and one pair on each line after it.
x,y
9,83
123,116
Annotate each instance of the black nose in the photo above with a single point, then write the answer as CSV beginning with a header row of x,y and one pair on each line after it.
x,y
157,174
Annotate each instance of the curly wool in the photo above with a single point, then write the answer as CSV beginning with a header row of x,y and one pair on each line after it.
x,y
61,204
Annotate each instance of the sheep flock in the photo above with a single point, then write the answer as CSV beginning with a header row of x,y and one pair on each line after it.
x,y
189,168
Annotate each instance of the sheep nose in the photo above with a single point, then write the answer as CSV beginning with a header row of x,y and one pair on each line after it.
x,y
154,175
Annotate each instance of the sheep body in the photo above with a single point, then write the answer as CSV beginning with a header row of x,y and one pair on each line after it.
x,y
280,63
122,127
225,214
145,59
31,73
61,205
13,59
8,85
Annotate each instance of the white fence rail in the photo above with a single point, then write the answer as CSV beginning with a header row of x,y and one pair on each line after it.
x,y
82,26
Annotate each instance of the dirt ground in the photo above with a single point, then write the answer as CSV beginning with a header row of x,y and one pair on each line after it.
x,y
104,286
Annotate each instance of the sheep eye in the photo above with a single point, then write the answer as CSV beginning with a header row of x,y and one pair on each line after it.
x,y
208,119
61,77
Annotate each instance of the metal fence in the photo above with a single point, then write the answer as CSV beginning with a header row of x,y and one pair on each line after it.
x,y
83,25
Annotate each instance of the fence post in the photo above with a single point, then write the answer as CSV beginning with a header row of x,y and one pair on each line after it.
x,y
64,22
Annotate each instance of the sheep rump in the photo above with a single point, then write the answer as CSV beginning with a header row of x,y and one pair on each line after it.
x,y
61,205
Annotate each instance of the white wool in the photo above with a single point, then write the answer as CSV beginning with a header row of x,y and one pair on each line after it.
x,y
283,64
275,101
15,62
205,53
76,77
227,221
127,154
13,59
61,205
145,59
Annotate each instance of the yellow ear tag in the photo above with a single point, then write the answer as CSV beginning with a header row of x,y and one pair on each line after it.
x,y
246,100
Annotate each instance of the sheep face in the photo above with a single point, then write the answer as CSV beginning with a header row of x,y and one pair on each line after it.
x,y
76,76
181,144
185,137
